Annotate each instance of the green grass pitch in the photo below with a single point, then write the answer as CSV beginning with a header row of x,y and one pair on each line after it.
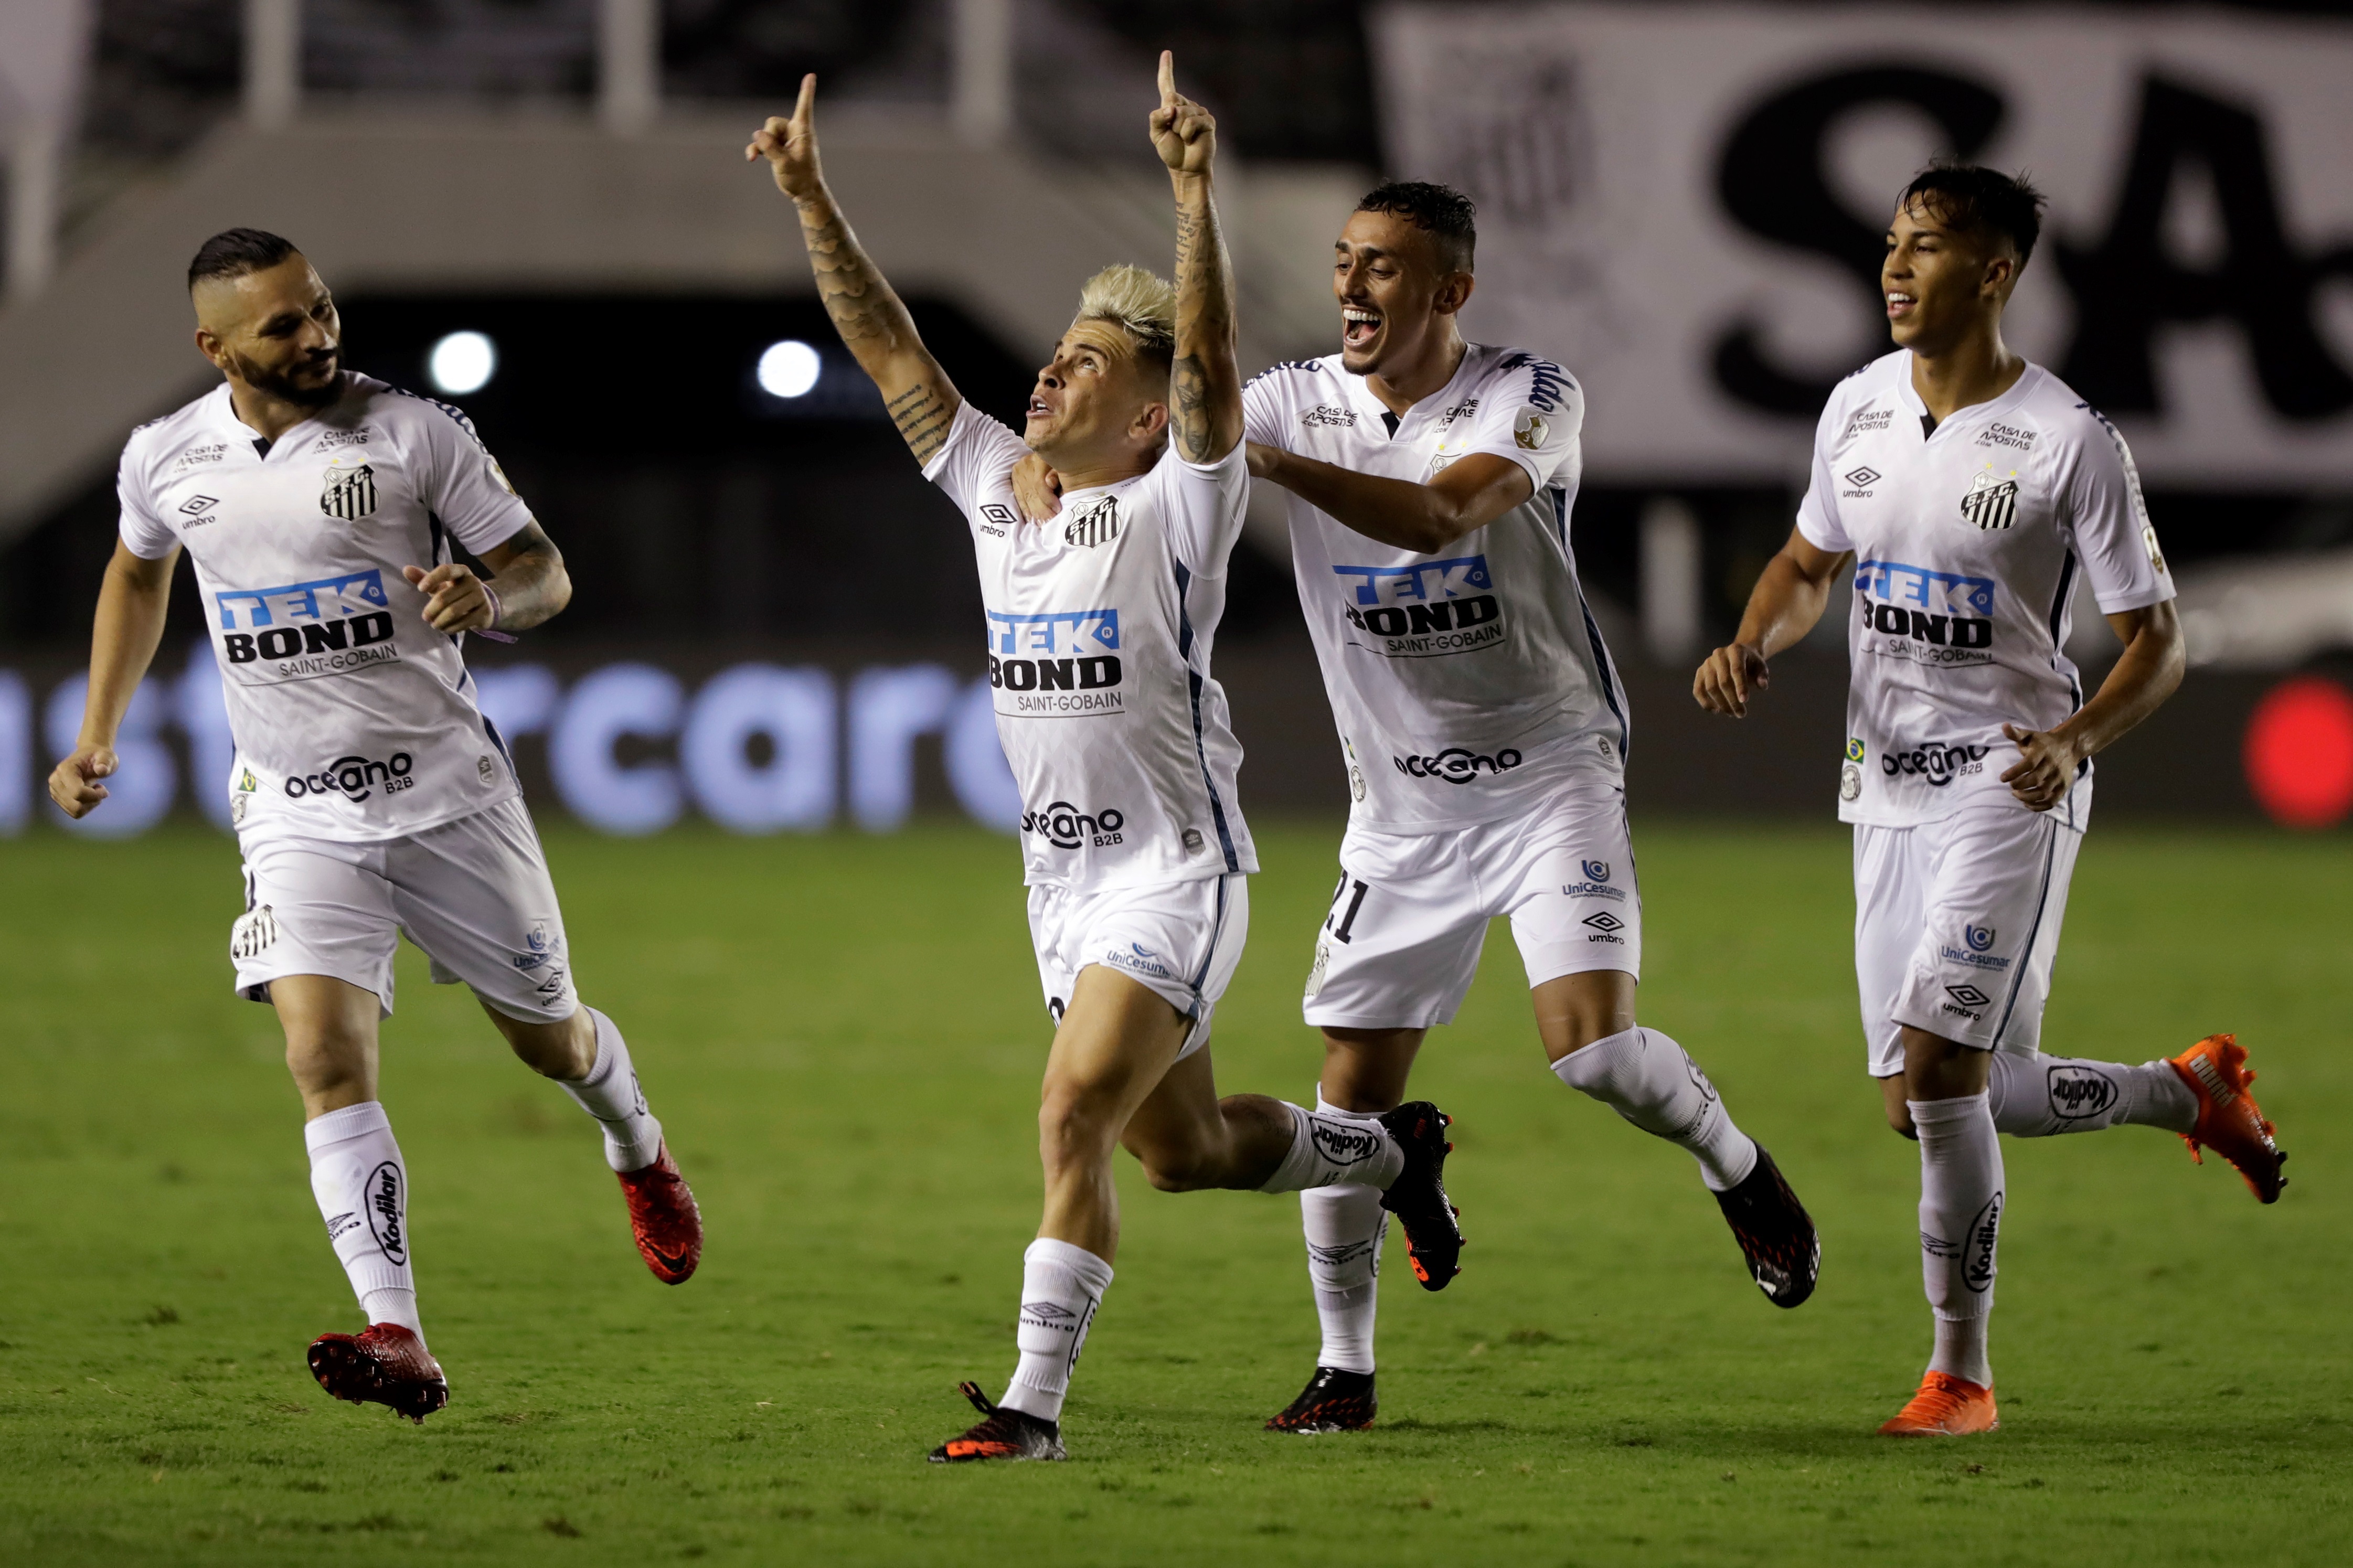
x,y
843,1036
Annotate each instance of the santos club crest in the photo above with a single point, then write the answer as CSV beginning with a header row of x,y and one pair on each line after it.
x,y
1991,504
350,490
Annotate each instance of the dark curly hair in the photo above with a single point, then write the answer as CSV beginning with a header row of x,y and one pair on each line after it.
x,y
1441,211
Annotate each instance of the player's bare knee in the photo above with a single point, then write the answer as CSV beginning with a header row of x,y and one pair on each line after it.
x,y
565,1050
1073,1126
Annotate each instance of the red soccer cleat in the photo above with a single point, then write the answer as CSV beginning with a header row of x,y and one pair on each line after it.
x,y
2230,1122
1946,1406
387,1365
664,1218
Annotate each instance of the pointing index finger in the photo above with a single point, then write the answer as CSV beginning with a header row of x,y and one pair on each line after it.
x,y
803,109
1168,78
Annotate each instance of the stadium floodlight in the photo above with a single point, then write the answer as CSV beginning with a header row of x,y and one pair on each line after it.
x,y
462,363
787,369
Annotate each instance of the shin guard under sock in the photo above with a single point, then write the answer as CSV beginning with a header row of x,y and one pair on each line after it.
x,y
1650,1081
1960,1224
2037,1096
1346,1227
361,1185
1061,1285
633,1138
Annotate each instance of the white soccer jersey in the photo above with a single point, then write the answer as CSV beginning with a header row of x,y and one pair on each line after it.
x,y
1967,541
354,720
1465,685
1098,625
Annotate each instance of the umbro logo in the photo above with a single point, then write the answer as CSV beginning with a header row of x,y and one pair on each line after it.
x,y
1048,1314
196,504
1605,921
1967,995
1861,476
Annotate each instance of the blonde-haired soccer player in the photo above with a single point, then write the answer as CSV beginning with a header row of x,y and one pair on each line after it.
x,y
1099,631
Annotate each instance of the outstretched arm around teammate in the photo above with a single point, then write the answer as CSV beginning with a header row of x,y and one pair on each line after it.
x,y
872,321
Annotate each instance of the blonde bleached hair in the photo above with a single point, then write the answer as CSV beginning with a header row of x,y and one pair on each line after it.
x,y
1142,303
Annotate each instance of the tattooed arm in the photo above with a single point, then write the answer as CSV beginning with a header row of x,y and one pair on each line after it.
x,y
874,325
1206,384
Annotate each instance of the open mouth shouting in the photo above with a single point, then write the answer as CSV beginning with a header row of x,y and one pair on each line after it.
x,y
1901,303
1359,326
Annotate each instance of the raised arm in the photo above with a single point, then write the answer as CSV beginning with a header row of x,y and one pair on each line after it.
x,y
1788,598
873,323
131,602
1206,384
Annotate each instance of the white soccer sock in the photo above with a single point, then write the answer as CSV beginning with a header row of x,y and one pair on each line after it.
x,y
610,1093
1346,1227
1061,1285
362,1187
2036,1095
1960,1225
1650,1081
1961,1350
1329,1150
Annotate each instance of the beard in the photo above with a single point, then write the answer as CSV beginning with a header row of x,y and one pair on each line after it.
x,y
282,384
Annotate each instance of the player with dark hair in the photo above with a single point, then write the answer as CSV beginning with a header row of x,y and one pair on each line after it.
x,y
1484,733
1138,858
370,794
1965,488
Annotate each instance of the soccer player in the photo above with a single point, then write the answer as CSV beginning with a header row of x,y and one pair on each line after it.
x,y
1099,635
1967,487
371,796
1484,733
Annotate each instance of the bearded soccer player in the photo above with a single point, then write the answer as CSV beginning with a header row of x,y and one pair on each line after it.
x,y
370,796
1485,733
1098,632
1966,487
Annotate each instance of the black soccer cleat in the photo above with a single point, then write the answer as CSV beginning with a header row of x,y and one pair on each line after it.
x,y
1001,1434
1417,1197
1332,1401
1775,1233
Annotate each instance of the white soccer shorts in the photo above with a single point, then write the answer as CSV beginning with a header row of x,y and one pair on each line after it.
x,y
474,894
1957,927
1401,941
1179,939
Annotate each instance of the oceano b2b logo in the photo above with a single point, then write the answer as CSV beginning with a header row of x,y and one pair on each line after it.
x,y
1456,765
1065,826
1061,664
301,630
1425,609
355,778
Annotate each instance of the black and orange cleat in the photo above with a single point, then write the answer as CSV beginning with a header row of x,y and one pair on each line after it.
x,y
386,1364
1000,1434
1946,1406
1417,1197
1333,1401
1775,1234
664,1218
2230,1122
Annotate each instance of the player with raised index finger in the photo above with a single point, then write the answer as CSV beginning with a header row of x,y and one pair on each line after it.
x,y
1484,733
371,796
1099,632
1967,489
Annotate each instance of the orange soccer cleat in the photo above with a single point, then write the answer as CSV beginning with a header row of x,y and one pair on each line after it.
x,y
2230,1122
385,1365
1946,1406
664,1218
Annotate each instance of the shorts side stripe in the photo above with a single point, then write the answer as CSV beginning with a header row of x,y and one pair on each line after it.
x,y
2026,954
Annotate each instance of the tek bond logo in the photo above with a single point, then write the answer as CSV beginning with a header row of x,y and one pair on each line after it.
x,y
1060,664
1427,609
1926,616
301,630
